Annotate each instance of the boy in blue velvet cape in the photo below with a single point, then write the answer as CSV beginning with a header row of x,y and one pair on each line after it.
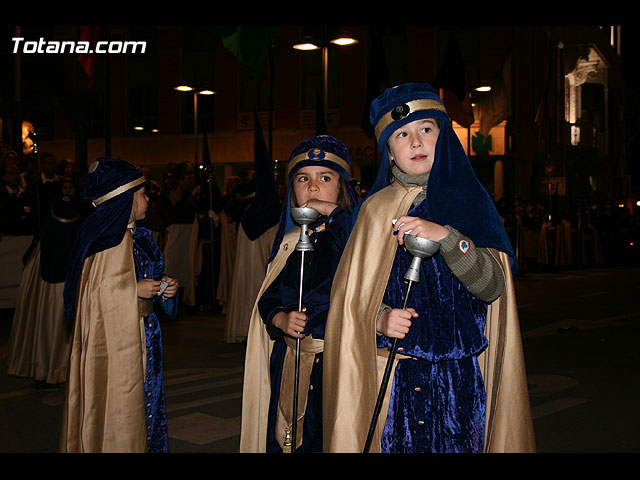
x,y
319,173
426,187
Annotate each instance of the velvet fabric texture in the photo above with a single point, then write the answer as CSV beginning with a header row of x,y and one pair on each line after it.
x,y
150,264
438,400
446,338
105,227
455,195
282,296
325,143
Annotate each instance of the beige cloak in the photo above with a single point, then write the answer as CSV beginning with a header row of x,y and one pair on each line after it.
x,y
353,368
249,269
40,337
104,405
257,382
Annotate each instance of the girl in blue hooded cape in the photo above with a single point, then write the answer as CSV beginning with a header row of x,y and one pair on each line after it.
x,y
440,396
318,173
114,398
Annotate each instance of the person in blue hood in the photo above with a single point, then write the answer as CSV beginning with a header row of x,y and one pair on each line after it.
x,y
438,399
319,173
114,286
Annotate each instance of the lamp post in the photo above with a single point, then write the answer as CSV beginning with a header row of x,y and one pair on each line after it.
x,y
183,87
309,43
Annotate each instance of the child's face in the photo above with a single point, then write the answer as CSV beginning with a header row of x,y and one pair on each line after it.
x,y
316,182
140,204
413,146
68,189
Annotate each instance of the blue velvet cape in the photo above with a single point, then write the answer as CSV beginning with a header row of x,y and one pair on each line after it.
x,y
150,264
282,295
105,227
455,195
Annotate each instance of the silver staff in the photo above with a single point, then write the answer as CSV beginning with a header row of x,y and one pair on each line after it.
x,y
303,216
420,248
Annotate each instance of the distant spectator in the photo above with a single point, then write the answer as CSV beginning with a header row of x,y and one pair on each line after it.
x,y
17,216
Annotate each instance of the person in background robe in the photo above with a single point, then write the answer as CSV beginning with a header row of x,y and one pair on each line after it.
x,y
39,342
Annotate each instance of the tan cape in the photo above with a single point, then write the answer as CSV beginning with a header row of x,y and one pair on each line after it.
x,y
104,405
353,368
40,337
250,266
256,390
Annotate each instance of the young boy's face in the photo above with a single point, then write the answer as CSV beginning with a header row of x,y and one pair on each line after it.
x,y
413,146
316,182
140,204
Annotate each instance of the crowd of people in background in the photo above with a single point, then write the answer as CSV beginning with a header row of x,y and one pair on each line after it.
x,y
543,237
26,188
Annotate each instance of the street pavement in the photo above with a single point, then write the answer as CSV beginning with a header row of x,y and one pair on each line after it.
x,y
579,328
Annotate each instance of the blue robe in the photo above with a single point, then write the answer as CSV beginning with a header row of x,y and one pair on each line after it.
x,y
438,398
150,264
282,295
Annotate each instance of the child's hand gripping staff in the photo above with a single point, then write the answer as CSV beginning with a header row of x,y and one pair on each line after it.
x,y
420,248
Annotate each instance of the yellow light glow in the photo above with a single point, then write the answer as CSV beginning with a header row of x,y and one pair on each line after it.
x,y
344,41
207,92
484,88
183,88
305,46
138,128
638,203
621,205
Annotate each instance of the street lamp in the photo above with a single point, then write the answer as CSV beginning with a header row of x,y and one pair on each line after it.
x,y
310,43
184,87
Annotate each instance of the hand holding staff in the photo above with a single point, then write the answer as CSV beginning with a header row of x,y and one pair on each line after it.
x,y
304,217
420,248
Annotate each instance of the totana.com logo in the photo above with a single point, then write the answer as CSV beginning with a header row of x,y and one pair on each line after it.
x,y
20,45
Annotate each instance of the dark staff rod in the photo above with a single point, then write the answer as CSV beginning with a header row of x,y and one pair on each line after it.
x,y
385,379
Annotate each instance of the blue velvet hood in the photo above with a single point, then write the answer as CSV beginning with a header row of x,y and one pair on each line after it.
x,y
455,196
323,150
110,185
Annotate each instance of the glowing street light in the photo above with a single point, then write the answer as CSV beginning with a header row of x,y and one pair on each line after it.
x,y
183,87
308,44
344,41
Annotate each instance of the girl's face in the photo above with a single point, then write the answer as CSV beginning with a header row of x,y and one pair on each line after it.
x,y
140,204
316,182
413,146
